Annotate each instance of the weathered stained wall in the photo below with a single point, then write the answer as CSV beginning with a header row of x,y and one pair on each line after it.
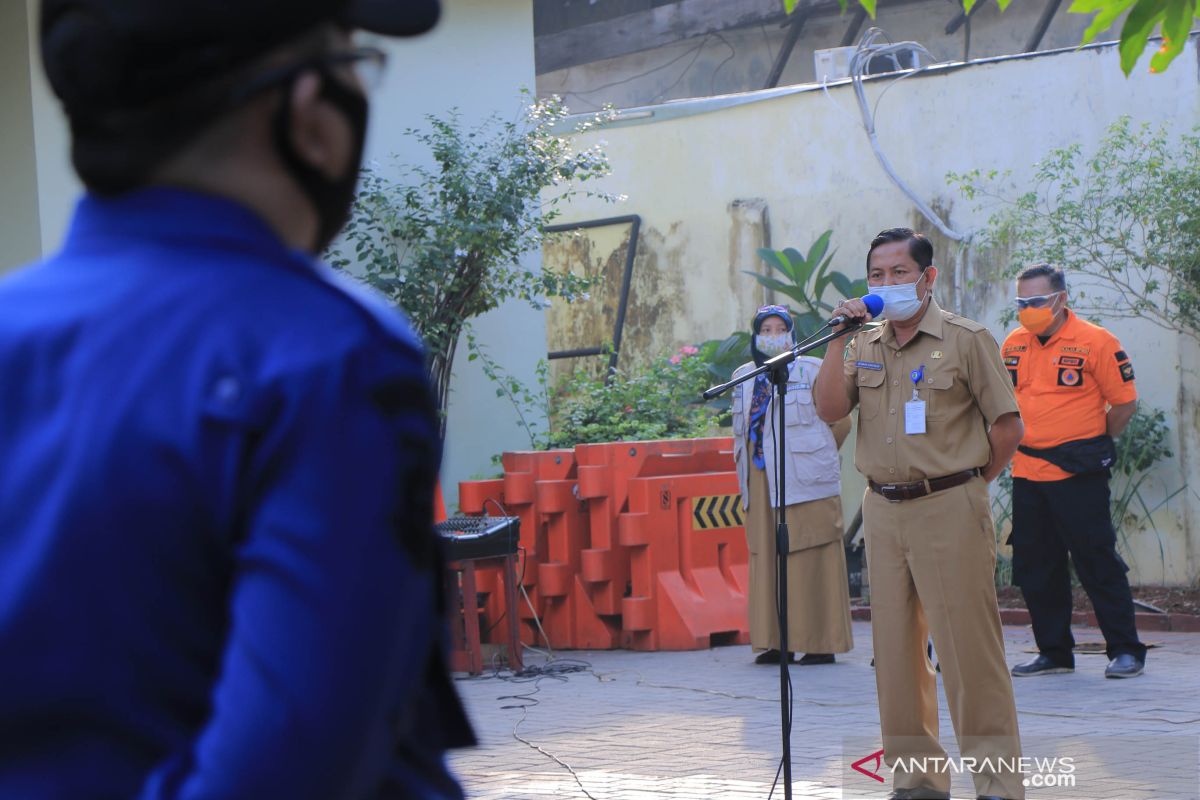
x,y
805,159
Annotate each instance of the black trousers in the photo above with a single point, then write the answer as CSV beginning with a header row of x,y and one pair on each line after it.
x,y
1052,519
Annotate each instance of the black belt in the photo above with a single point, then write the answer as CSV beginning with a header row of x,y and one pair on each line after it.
x,y
896,492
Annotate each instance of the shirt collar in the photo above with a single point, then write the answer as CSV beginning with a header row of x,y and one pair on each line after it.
x,y
1067,331
162,213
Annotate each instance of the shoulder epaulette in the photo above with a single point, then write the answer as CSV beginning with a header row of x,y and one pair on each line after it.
x,y
963,322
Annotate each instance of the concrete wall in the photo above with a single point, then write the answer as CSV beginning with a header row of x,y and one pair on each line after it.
x,y
740,60
20,227
477,60
805,158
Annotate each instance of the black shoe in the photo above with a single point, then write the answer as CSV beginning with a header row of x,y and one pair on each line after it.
x,y
810,659
918,793
1041,665
989,797
1125,665
772,657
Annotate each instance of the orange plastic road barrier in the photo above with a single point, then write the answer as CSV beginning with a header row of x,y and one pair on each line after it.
x,y
516,495
569,617
604,474
689,572
439,503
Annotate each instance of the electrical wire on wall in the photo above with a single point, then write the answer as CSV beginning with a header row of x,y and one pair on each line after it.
x,y
874,44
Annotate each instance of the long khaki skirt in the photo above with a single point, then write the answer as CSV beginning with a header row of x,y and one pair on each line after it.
x,y
818,594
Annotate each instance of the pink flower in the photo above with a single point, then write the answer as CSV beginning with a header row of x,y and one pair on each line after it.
x,y
675,359
688,350
628,409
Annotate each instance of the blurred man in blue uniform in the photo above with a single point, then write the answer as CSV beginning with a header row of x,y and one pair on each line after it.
x,y
218,577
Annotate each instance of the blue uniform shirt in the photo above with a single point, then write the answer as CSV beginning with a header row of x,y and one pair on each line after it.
x,y
217,575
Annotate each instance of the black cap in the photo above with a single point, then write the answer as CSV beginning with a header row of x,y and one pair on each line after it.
x,y
106,55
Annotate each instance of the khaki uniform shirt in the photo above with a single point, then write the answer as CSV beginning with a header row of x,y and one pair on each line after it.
x,y
964,385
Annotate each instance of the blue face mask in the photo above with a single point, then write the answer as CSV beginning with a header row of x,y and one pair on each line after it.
x,y
900,302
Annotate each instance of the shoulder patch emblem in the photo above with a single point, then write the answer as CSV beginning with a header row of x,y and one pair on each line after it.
x,y
936,354
1011,361
1120,356
1127,372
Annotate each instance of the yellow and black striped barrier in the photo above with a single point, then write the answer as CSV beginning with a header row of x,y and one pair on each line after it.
x,y
717,511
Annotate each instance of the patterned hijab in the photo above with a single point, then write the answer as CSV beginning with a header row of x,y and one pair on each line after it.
x,y
762,386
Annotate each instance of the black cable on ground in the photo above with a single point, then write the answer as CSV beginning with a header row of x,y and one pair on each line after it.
x,y
556,669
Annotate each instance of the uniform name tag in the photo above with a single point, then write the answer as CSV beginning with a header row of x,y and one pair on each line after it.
x,y
914,416
868,365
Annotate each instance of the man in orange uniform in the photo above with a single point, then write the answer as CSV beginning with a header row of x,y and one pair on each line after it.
x,y
1074,385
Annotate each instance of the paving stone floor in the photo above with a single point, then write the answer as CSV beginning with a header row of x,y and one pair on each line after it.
x,y
706,724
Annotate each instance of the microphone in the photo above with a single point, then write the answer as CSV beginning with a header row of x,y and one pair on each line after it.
x,y
874,305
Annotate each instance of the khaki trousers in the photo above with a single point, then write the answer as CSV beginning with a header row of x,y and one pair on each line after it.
x,y
818,592
931,564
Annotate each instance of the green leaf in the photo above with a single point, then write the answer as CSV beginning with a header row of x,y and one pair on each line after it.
x,y
776,259
1108,12
769,282
1136,30
1003,4
869,5
789,5
1175,27
819,248
800,267
968,5
841,283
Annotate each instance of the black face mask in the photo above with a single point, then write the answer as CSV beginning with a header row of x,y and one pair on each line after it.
x,y
332,198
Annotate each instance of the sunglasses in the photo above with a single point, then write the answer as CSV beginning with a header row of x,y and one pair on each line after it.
x,y
1037,301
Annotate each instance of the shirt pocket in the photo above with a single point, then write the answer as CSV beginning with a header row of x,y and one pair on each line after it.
x,y
870,392
814,458
938,393
738,408
798,406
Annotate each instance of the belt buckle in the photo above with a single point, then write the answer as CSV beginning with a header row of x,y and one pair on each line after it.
x,y
885,488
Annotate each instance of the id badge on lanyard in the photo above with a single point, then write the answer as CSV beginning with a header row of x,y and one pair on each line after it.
x,y
914,410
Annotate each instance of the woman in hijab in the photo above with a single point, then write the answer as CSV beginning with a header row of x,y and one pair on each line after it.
x,y
818,594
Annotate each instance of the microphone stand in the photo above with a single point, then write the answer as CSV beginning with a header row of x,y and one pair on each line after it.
x,y
777,370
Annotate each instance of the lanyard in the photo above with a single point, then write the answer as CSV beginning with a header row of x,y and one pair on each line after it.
x,y
916,375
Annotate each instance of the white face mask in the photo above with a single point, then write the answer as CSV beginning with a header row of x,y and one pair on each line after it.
x,y
900,301
773,345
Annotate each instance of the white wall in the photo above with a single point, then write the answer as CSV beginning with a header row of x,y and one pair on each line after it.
x,y
19,226
57,185
806,156
38,188
477,60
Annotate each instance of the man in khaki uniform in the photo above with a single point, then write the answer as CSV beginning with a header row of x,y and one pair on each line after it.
x,y
937,422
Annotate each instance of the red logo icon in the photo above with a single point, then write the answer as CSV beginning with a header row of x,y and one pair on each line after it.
x,y
877,757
